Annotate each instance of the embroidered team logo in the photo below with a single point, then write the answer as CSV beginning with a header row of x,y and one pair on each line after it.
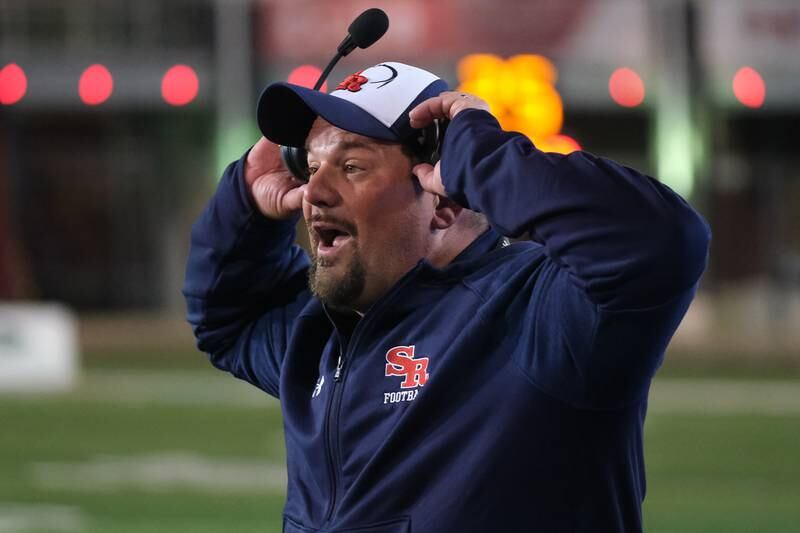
x,y
352,83
400,361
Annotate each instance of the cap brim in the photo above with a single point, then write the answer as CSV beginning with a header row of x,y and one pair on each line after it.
x,y
286,113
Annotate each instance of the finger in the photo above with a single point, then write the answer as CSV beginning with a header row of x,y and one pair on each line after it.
x,y
293,199
264,157
458,102
429,178
264,149
424,113
446,105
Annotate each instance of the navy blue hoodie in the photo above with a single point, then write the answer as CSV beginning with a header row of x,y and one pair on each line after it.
x,y
505,392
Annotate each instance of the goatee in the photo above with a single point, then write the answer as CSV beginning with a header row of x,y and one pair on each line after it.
x,y
342,291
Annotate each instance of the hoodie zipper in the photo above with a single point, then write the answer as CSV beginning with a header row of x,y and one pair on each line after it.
x,y
337,376
332,418
332,433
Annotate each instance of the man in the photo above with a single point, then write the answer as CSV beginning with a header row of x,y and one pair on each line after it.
x,y
432,377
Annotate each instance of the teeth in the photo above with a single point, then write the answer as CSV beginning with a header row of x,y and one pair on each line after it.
x,y
330,237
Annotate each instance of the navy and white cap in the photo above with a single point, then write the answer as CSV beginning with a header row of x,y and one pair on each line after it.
x,y
374,102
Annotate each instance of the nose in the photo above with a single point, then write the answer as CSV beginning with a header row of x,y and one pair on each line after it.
x,y
321,188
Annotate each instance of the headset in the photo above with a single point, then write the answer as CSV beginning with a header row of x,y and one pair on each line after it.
x,y
426,148
367,28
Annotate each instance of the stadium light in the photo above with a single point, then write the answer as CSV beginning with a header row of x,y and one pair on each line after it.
x,y
749,87
307,76
96,85
533,66
521,93
180,85
13,84
477,66
626,87
541,111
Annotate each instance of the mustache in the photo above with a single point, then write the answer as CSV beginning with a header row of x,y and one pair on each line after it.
x,y
327,219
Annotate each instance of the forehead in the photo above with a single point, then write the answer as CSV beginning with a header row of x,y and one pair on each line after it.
x,y
324,136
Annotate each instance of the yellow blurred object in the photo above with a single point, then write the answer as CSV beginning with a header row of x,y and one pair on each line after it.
x,y
521,93
540,108
562,144
476,66
534,66
508,121
485,88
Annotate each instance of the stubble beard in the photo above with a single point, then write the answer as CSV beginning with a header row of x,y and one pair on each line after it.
x,y
341,291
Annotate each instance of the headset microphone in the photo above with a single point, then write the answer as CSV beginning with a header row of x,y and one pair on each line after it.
x,y
367,28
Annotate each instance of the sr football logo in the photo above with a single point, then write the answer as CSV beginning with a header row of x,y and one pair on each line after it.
x,y
400,361
353,82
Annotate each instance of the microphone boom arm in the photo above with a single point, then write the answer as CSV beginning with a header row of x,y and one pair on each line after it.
x,y
327,71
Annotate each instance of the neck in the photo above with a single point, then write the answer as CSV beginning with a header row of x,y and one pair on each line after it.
x,y
451,242
447,245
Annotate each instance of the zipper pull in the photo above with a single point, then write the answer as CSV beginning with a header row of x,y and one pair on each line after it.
x,y
338,375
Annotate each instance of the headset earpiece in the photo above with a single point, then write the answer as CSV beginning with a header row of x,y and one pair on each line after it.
x,y
430,141
427,146
296,161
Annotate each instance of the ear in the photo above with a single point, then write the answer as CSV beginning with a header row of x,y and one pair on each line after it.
x,y
445,212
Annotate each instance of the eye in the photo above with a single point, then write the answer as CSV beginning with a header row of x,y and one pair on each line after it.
x,y
312,169
351,168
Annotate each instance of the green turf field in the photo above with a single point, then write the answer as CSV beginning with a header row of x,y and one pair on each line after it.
x,y
191,450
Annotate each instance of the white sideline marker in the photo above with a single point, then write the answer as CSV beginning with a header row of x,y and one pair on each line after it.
x,y
38,347
19,517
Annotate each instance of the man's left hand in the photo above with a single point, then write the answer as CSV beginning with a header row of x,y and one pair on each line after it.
x,y
445,106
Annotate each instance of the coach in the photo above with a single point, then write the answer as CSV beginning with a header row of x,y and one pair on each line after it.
x,y
432,377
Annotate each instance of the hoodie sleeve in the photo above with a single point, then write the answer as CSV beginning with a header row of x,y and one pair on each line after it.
x,y
245,284
624,255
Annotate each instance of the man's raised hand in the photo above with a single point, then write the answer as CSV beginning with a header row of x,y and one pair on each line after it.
x,y
274,190
445,106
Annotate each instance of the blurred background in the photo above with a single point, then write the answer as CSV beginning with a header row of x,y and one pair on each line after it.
x,y
117,117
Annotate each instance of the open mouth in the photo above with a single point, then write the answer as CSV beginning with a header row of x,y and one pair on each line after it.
x,y
329,237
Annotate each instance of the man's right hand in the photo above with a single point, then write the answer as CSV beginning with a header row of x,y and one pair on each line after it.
x,y
274,190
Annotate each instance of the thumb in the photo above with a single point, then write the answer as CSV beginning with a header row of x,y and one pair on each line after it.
x,y
293,199
429,178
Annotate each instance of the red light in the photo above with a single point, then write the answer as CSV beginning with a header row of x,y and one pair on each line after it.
x,y
179,85
749,87
307,76
626,87
13,84
95,85
570,144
